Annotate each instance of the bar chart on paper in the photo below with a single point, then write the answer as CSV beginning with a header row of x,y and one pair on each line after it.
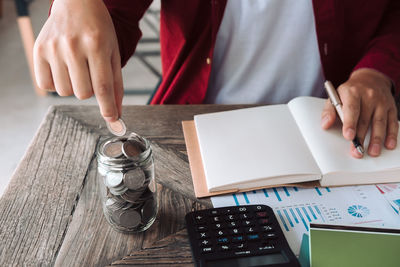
x,y
296,208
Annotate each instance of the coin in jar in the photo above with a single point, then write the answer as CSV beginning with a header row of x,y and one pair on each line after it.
x,y
131,149
131,196
134,179
113,149
113,179
130,218
118,191
116,214
113,204
117,127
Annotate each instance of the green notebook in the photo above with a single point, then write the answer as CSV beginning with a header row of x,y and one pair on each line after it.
x,y
333,245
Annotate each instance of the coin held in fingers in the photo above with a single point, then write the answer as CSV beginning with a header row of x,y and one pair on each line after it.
x,y
117,127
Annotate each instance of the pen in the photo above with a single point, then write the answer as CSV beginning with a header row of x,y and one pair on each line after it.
x,y
337,103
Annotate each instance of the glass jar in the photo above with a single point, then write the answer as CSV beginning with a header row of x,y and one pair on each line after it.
x,y
127,183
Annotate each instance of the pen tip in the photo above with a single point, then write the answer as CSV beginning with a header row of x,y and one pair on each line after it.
x,y
360,150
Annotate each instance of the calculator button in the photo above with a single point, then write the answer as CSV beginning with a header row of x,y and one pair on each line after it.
x,y
203,235
216,219
222,240
201,228
207,250
228,211
218,226
248,223
239,246
266,247
199,219
236,231
253,237
270,236
238,238
267,228
214,212
205,243
231,217
221,233
242,209
245,216
259,208
263,221
233,224
261,214
250,230
224,248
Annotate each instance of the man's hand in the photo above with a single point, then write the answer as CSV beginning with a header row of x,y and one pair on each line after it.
x,y
77,53
367,101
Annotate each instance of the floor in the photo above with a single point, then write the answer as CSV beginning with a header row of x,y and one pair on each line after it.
x,y
22,111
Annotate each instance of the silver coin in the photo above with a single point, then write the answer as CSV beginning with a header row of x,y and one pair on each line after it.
x,y
132,196
148,210
130,218
118,192
134,179
114,204
132,149
117,127
120,187
127,206
110,201
119,199
102,171
113,179
113,149
116,215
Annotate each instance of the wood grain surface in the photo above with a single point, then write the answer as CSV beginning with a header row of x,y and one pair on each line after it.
x,y
172,250
90,240
37,206
51,213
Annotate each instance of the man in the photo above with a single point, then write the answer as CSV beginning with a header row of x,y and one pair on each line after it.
x,y
83,44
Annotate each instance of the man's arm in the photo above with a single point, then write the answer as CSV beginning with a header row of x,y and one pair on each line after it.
x,y
368,95
383,51
125,15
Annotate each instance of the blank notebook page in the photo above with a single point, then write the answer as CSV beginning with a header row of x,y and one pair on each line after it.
x,y
251,144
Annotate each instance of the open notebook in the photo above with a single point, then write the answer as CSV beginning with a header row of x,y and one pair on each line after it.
x,y
279,144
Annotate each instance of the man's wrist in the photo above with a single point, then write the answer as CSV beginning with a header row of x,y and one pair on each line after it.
x,y
373,73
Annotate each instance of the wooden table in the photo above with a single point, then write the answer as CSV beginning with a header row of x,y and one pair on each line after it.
x,y
51,212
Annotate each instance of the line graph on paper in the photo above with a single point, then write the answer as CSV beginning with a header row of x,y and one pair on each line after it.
x,y
295,208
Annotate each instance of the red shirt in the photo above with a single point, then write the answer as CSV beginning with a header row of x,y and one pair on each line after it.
x,y
351,35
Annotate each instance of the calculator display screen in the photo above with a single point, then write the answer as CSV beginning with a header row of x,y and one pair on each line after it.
x,y
261,260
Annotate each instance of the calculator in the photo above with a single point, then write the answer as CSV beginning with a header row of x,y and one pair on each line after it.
x,y
238,236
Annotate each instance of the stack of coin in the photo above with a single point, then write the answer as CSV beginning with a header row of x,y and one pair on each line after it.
x,y
126,165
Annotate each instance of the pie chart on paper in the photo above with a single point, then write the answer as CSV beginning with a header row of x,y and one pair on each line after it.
x,y
358,211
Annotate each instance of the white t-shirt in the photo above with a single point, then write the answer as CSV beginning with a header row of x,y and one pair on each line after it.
x,y
266,52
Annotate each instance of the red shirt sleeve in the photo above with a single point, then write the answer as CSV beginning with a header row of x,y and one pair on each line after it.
x,y
383,51
125,15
